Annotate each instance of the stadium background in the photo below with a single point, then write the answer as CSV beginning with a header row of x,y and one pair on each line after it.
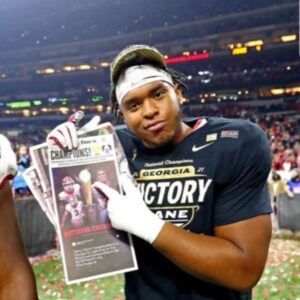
x,y
241,59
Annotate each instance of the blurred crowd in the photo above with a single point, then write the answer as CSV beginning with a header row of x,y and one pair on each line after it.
x,y
282,130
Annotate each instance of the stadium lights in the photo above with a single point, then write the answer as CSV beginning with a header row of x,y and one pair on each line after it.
x,y
64,110
239,51
290,90
26,112
104,64
288,38
192,57
277,91
254,43
84,67
37,102
18,104
69,68
293,90
49,71
99,108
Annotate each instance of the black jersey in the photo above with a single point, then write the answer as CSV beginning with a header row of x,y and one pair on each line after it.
x,y
215,176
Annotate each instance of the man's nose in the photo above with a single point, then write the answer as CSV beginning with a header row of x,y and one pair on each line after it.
x,y
150,108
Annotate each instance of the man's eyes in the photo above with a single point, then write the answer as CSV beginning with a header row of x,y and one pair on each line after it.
x,y
158,94
133,106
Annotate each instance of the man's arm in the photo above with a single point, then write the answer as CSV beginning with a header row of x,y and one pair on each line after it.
x,y
16,275
64,218
235,257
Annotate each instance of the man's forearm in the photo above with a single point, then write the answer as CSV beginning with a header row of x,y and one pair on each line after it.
x,y
231,261
16,275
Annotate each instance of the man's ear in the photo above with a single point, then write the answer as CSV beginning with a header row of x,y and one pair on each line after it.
x,y
121,116
178,91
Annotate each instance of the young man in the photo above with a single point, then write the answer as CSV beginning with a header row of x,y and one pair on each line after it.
x,y
16,276
201,213
71,190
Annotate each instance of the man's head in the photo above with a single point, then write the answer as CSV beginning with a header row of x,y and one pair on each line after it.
x,y
102,176
147,95
68,184
295,175
73,200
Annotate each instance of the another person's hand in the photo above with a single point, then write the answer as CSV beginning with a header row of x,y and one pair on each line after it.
x,y
65,135
8,162
129,212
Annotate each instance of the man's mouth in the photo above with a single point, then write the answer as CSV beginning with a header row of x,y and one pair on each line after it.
x,y
155,126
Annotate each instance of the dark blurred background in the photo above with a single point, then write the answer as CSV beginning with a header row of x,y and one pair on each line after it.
x,y
241,58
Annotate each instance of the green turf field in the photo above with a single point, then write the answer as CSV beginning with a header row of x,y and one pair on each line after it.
x,y
281,279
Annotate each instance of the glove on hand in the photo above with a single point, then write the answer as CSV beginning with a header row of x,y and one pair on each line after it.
x,y
8,162
129,212
65,135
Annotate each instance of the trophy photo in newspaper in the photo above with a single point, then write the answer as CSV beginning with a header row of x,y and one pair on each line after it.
x,y
63,185
91,247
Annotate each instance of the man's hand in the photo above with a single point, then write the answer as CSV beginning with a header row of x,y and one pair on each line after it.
x,y
129,212
65,135
8,163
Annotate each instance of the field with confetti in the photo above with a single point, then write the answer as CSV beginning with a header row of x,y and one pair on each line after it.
x,y
281,279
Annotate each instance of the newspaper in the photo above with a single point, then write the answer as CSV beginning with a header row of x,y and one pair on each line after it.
x,y
38,178
61,181
43,198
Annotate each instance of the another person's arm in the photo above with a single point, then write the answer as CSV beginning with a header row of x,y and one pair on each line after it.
x,y
64,218
16,275
17,279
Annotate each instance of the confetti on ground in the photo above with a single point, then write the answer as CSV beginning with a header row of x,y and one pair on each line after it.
x,y
280,281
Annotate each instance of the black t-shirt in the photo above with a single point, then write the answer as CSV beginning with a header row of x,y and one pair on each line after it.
x,y
215,176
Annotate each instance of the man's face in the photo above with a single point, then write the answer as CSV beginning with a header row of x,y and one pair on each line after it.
x,y
69,187
73,201
152,113
101,176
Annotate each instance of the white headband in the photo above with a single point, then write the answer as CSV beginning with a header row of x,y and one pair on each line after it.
x,y
137,76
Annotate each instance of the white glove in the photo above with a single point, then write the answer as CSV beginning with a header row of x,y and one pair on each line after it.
x,y
8,162
65,135
129,212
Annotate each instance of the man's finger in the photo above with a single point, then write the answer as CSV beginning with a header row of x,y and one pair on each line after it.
x,y
128,183
68,130
76,117
108,191
90,125
57,138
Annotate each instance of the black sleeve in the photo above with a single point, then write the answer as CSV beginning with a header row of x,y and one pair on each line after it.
x,y
245,194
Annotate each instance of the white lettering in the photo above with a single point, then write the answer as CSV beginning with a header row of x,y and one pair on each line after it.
x,y
183,192
189,189
203,186
175,192
151,187
162,190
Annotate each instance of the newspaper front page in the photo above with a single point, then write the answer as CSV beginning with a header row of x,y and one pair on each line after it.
x,y
62,183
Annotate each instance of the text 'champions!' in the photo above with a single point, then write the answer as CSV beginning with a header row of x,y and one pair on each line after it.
x,y
65,154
